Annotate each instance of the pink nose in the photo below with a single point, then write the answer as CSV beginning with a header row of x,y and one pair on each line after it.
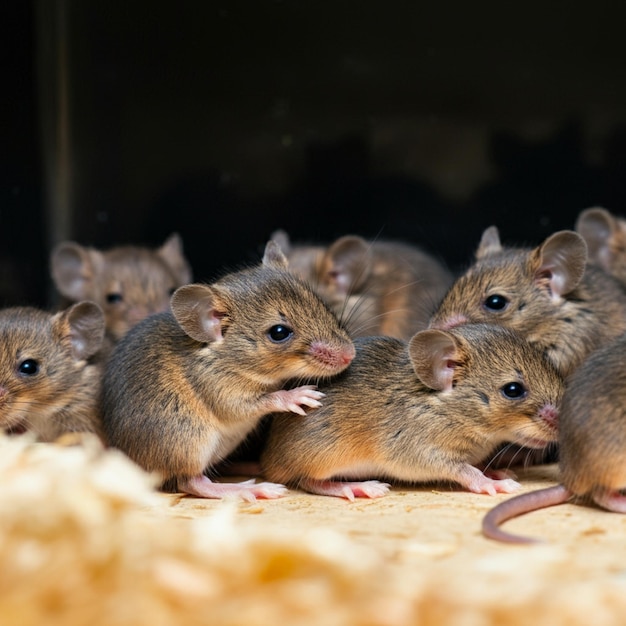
x,y
332,356
550,415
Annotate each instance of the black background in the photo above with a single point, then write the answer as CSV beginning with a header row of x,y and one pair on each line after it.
x,y
226,120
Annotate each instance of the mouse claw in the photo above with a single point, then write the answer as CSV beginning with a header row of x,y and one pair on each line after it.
x,y
291,400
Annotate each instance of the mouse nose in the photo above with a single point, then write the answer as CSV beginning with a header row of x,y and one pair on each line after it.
x,y
332,356
550,415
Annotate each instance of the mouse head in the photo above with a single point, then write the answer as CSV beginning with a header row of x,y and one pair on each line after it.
x,y
515,287
41,358
128,282
266,320
605,236
494,378
592,438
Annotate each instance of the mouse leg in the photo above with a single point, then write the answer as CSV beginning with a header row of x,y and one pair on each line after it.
x,y
348,490
248,490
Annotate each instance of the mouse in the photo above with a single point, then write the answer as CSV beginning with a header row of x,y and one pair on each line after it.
x,y
50,371
549,293
183,388
605,235
376,287
128,282
426,410
592,444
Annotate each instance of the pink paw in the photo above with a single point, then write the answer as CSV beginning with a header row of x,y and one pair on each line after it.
x,y
248,490
348,490
292,399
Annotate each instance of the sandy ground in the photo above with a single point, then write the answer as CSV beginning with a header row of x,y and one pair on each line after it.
x,y
433,538
86,539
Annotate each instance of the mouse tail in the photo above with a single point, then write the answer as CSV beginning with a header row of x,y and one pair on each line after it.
x,y
519,505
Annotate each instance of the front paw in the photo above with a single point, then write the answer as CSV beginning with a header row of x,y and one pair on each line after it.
x,y
292,400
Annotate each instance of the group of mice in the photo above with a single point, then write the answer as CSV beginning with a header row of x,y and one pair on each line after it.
x,y
395,368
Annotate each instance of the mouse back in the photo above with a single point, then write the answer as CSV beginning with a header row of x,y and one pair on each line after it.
x,y
128,282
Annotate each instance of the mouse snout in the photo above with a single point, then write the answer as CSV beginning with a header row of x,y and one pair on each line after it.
x,y
550,415
449,322
336,357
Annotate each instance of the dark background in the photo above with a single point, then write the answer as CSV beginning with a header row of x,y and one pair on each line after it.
x,y
226,120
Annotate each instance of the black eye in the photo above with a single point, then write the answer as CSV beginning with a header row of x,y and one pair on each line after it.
x,y
112,298
496,302
29,367
279,333
513,391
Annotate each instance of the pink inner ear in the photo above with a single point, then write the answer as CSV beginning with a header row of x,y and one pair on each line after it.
x,y
446,374
213,324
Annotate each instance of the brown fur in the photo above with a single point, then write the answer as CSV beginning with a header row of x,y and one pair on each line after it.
x,y
62,395
420,412
128,282
182,389
562,306
377,288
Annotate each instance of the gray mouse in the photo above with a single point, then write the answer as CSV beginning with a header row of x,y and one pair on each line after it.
x,y
592,444
50,372
427,410
183,388
549,293
128,282
376,287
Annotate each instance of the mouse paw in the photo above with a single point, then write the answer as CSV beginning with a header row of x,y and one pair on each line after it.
x,y
475,481
248,490
348,490
291,400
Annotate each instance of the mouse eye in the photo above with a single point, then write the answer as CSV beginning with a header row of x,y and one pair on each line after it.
x,y
513,391
29,367
279,333
496,302
112,298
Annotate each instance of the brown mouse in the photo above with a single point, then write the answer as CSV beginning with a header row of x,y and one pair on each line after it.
x,y
376,287
183,388
128,282
549,294
592,443
49,375
605,235
429,410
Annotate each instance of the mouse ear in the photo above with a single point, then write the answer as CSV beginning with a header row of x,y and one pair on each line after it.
x,y
435,355
83,324
274,257
347,264
489,243
172,253
199,312
282,239
75,270
559,262
601,231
